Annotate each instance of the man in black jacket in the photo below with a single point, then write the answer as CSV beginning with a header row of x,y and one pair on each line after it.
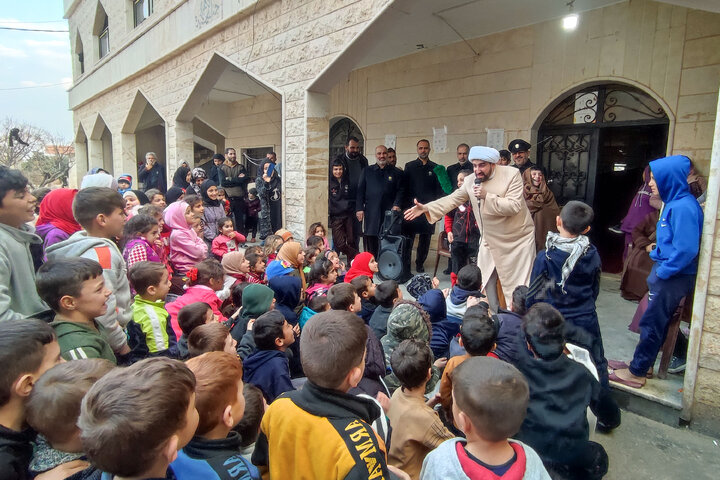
x,y
380,189
152,175
421,184
521,157
353,163
462,166
235,181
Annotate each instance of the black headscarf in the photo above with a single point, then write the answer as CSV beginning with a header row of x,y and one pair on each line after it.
x,y
179,179
203,191
142,198
173,194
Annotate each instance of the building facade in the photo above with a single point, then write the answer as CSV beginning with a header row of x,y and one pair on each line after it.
x,y
187,78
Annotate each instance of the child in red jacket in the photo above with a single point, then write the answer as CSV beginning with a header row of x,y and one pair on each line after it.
x,y
228,240
204,279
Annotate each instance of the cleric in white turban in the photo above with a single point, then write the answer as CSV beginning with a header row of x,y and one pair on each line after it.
x,y
507,242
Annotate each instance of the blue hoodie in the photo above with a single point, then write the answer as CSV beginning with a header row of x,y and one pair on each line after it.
x,y
681,220
287,296
444,328
268,370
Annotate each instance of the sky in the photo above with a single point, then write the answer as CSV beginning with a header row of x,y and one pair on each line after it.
x,y
35,67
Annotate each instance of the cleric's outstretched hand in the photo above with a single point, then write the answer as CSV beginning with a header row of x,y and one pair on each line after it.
x,y
414,212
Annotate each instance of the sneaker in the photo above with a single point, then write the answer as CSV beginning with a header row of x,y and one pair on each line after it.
x,y
677,365
616,229
447,271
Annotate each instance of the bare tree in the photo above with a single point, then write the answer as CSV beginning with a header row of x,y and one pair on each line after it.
x,y
43,157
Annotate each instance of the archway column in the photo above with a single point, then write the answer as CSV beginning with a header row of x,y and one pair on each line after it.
x,y
180,147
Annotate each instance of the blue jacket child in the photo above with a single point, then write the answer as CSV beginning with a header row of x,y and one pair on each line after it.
x,y
268,368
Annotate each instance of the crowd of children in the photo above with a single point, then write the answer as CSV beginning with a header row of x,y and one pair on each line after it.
x,y
190,355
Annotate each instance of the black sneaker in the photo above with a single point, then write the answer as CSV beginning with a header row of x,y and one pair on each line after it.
x,y
677,365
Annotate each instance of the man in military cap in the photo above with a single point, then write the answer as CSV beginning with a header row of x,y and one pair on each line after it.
x,y
521,158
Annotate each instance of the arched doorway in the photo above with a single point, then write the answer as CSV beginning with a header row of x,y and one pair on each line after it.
x,y
341,128
594,146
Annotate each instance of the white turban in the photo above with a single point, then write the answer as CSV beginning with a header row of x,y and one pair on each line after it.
x,y
486,154
98,180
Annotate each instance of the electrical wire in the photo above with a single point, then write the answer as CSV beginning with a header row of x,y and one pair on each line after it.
x,y
33,30
34,86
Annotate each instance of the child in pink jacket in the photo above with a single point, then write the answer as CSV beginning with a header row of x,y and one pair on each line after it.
x,y
186,247
203,281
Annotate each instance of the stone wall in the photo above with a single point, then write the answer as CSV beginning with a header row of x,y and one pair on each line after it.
x,y
670,52
284,42
256,122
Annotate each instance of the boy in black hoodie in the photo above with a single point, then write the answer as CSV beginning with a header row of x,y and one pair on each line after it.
x,y
268,368
28,348
220,404
561,389
341,207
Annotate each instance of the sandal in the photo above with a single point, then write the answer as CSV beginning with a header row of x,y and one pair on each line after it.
x,y
617,364
629,383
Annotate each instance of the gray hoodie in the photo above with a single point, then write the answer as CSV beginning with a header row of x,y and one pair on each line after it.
x,y
105,252
443,463
18,296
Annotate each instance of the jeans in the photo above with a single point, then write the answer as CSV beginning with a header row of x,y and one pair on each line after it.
x,y
663,300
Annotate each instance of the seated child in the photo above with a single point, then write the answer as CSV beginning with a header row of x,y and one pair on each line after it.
x,y
53,409
162,245
332,346
363,264
251,214
141,235
236,268
490,398
272,245
28,348
186,248
124,433
318,304
257,267
339,266
434,303
477,335
256,299
268,368
510,326
315,241
99,211
408,320
417,429
211,337
156,197
74,288
287,292
322,276
567,276
150,331
387,294
220,404
343,296
311,254
561,389
365,288
124,183
469,284
227,240
249,426
189,318
203,281
289,261
317,229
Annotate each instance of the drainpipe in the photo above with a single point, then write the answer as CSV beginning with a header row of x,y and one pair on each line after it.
x,y
703,275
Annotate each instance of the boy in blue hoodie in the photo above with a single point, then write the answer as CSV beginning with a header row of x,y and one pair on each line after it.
x,y
268,368
673,274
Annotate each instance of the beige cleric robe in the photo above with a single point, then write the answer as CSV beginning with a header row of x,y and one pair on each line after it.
x,y
507,231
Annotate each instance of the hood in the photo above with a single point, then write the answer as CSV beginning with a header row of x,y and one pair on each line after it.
x,y
258,361
277,269
256,300
175,215
76,245
24,234
44,229
180,176
406,321
433,302
460,295
671,177
287,290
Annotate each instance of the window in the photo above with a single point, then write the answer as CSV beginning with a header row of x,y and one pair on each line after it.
x,y
104,38
142,9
